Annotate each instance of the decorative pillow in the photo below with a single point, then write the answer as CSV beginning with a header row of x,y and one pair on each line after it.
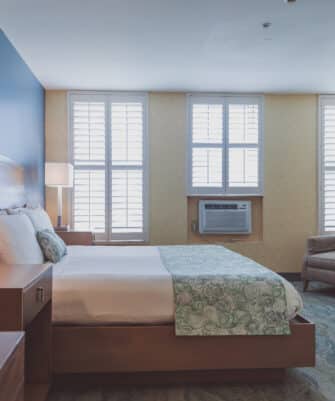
x,y
52,245
18,242
39,217
60,240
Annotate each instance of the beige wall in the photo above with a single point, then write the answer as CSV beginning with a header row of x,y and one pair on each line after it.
x,y
290,198
167,144
56,145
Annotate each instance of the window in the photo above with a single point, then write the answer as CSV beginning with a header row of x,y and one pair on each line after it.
x,y
225,145
327,164
110,169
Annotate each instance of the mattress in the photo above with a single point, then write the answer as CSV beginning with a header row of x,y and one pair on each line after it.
x,y
109,285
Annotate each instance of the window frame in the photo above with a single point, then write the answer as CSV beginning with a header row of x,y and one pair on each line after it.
x,y
108,97
225,100
323,100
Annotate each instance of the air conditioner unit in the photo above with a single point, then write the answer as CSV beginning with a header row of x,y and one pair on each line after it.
x,y
224,217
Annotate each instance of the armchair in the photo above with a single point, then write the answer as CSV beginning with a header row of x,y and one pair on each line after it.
x,y
319,261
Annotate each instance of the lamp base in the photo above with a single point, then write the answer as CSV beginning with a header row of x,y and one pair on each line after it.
x,y
62,228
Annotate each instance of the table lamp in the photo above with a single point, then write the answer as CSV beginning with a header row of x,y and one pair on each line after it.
x,y
59,175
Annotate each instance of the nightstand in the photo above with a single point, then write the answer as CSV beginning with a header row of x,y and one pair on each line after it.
x,y
12,366
76,237
25,304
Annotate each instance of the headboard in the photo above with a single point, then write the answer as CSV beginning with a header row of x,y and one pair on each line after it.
x,y
12,191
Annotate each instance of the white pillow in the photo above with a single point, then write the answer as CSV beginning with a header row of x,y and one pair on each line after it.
x,y
18,243
39,217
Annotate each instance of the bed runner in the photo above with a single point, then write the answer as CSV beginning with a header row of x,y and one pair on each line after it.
x,y
220,292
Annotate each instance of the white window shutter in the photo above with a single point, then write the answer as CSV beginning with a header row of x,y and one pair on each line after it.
x,y
89,193
88,133
243,123
127,204
206,167
327,164
127,134
110,170
127,171
243,167
89,200
207,121
225,145
243,146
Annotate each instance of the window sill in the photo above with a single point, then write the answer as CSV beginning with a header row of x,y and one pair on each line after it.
x,y
121,243
259,195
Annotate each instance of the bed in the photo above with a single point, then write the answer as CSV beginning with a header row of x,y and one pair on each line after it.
x,y
114,319
116,285
114,315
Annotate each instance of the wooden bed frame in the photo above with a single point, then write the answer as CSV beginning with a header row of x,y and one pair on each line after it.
x,y
133,353
143,353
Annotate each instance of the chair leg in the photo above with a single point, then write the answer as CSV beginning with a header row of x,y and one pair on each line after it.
x,y
306,282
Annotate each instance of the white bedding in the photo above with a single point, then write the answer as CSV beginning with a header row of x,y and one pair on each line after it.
x,y
120,285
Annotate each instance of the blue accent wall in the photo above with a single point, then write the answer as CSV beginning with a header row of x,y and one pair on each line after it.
x,y
22,118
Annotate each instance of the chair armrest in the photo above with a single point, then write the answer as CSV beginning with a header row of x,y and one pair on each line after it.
x,y
321,243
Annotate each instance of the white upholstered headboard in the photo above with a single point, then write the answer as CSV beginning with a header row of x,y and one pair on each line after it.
x,y
12,190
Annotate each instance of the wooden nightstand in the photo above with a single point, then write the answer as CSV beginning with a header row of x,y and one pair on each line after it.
x,y
76,237
25,304
12,366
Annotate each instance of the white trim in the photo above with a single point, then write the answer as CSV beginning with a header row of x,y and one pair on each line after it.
x,y
188,163
121,94
323,100
69,155
261,141
107,170
225,100
109,97
320,169
226,146
146,182
225,94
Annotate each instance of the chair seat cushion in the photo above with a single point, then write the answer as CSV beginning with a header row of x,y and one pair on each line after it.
x,y
324,260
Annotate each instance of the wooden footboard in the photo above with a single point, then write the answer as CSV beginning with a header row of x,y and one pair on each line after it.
x,y
122,349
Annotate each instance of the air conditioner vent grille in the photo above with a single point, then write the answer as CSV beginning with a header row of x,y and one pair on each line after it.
x,y
224,217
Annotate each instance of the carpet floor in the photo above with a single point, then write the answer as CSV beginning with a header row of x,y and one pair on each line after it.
x,y
307,384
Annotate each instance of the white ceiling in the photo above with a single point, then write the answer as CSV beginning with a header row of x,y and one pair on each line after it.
x,y
191,45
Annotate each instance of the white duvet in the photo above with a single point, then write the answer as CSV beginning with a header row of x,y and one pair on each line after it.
x,y
120,285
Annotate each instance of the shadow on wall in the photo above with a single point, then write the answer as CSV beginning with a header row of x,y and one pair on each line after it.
x,y
22,118
31,177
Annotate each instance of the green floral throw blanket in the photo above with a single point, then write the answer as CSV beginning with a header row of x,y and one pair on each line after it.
x,y
218,292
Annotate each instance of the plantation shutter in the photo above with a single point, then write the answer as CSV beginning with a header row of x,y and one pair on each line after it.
x,y
327,163
89,193
108,141
127,131
225,146
243,146
206,146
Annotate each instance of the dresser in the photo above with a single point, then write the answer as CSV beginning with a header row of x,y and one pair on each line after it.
x,y
25,304
12,366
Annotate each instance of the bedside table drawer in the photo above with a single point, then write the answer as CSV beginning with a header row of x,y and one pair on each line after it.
x,y
37,296
12,376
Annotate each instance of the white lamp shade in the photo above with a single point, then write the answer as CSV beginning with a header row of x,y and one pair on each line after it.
x,y
58,174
